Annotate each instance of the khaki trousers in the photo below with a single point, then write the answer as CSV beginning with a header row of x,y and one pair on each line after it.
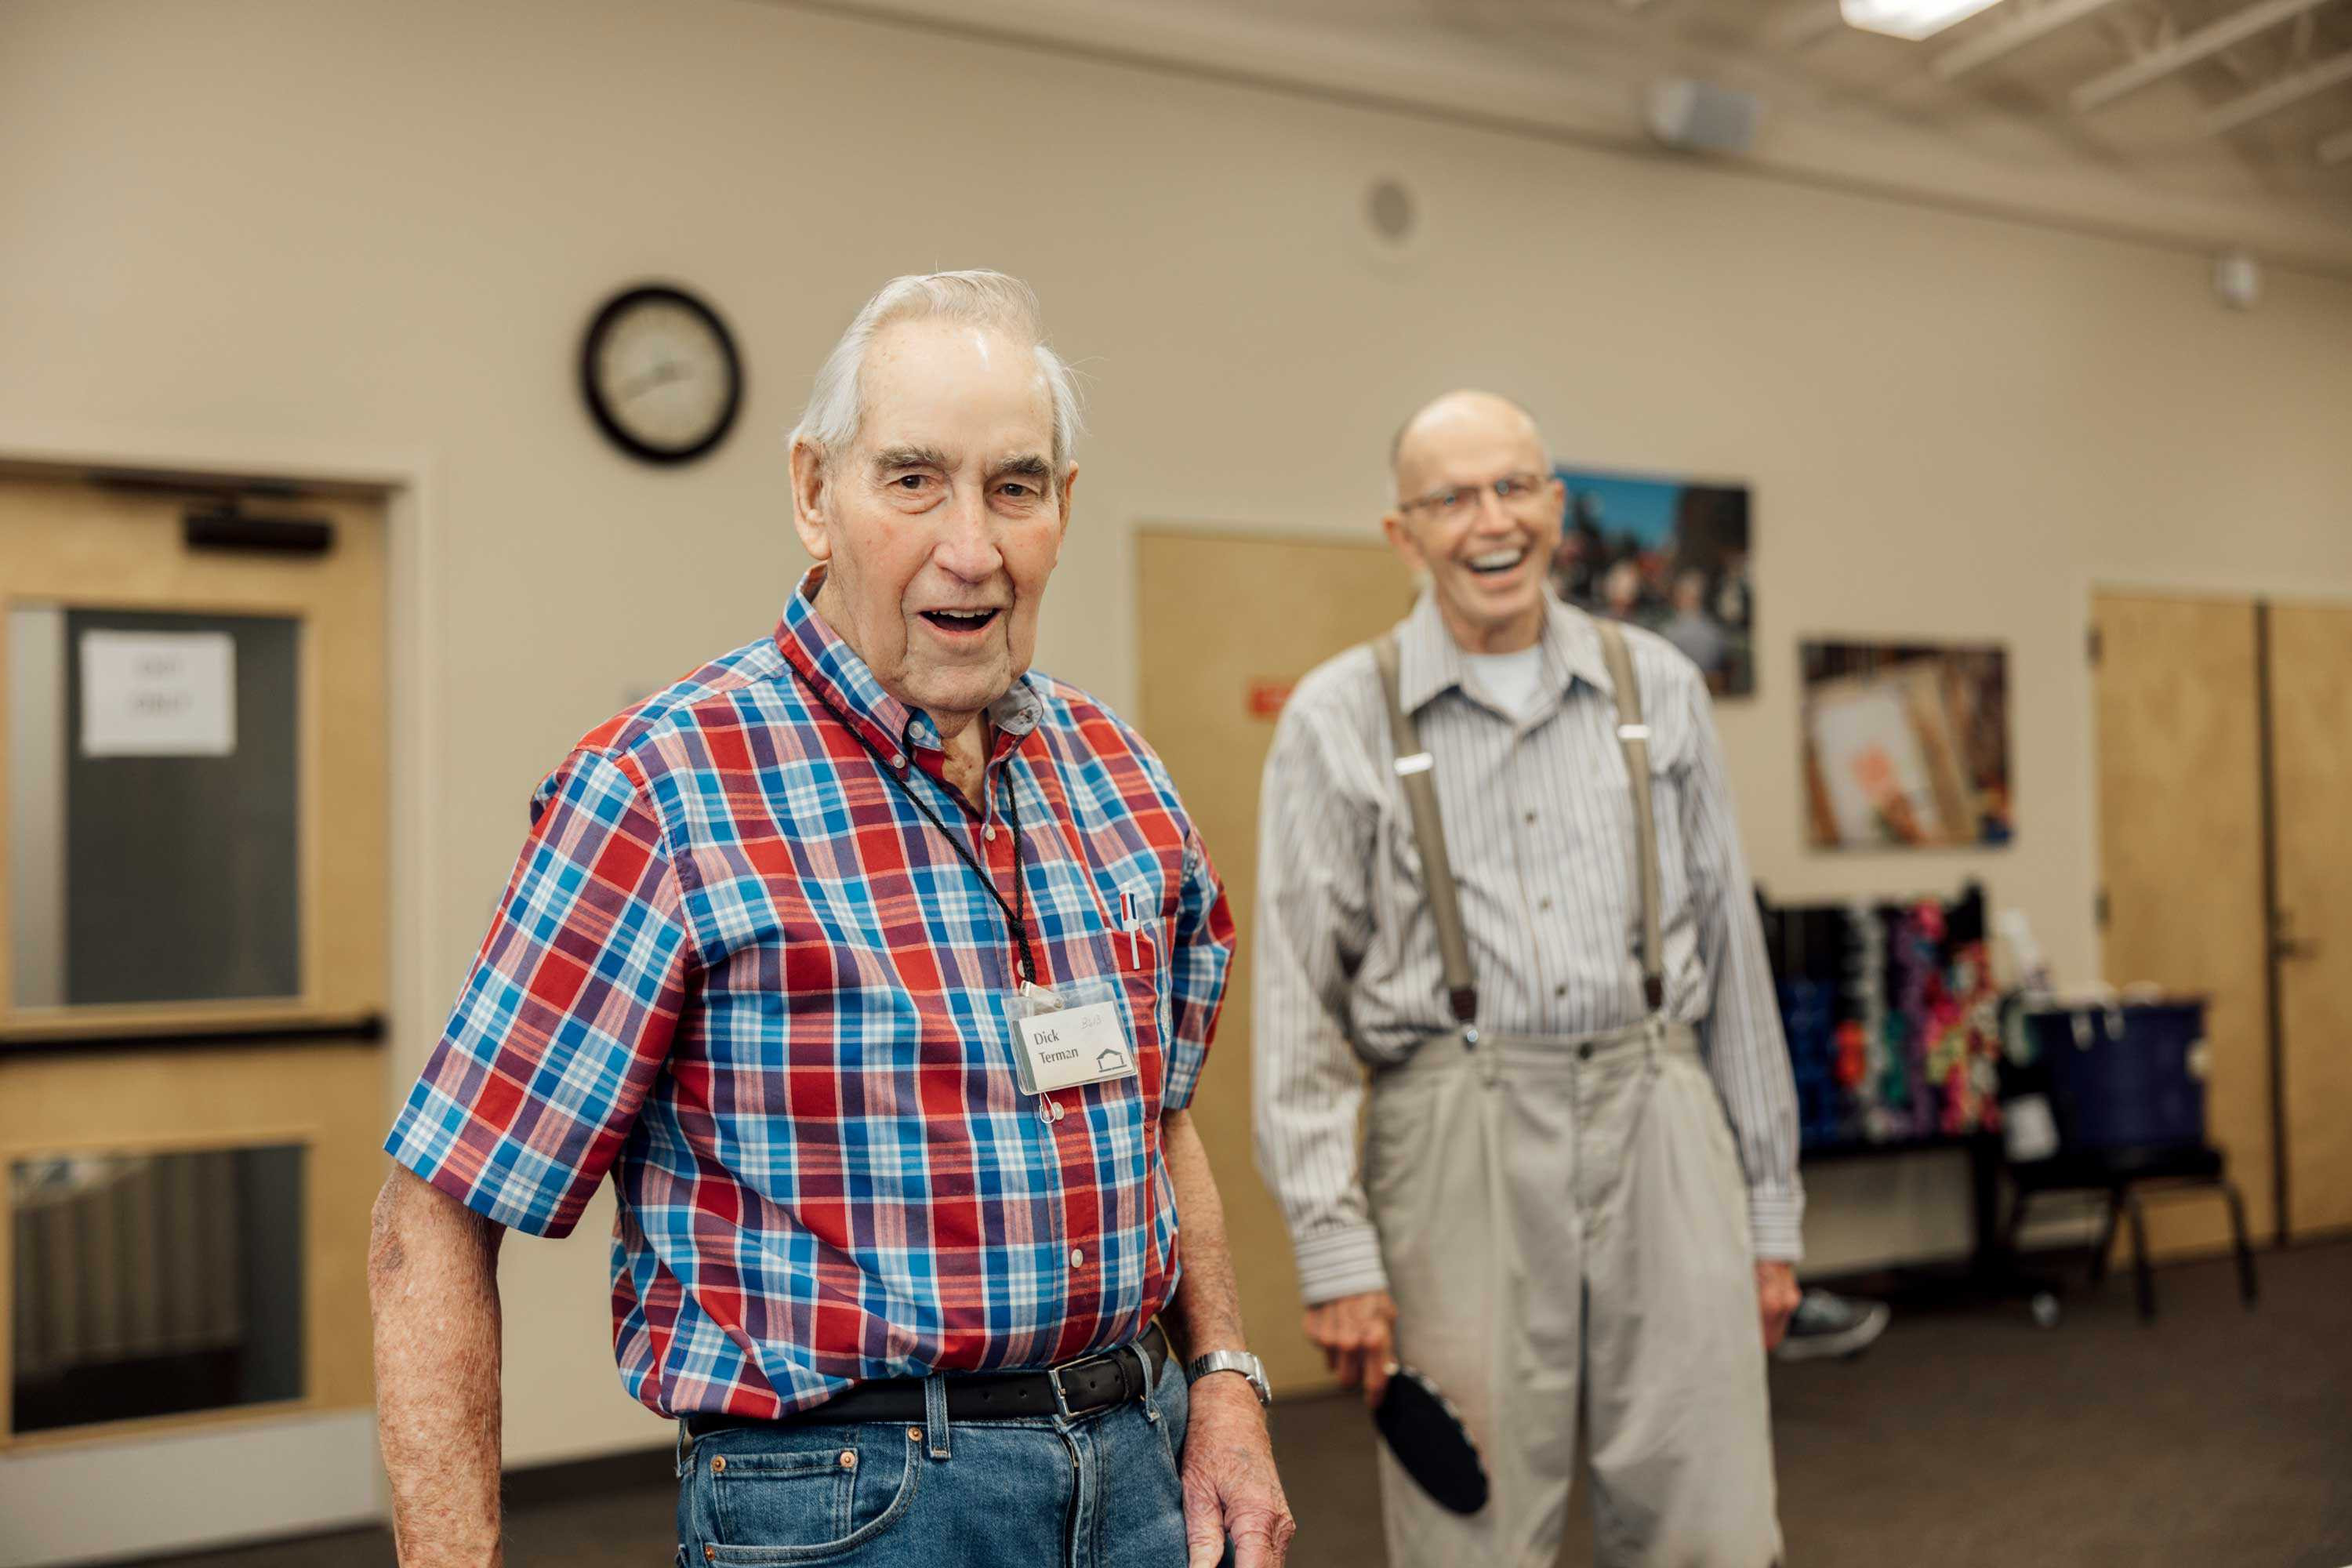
x,y
1564,1222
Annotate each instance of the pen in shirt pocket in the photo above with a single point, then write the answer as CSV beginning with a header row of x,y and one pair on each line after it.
x,y
1130,920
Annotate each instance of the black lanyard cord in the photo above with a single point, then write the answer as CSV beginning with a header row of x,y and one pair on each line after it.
x,y
1015,912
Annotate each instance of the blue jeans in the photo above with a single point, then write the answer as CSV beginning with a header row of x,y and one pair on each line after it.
x,y
1099,1489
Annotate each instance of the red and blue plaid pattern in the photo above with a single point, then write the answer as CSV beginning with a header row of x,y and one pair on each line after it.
x,y
738,968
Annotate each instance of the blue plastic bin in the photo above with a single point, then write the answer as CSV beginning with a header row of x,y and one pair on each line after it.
x,y
2128,1075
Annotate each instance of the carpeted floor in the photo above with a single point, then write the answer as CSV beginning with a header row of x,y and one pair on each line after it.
x,y
1964,1437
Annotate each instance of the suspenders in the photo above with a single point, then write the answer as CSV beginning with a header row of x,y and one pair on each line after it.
x,y
1413,768
1414,773
1634,736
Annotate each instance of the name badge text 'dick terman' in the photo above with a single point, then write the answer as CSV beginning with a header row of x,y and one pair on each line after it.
x,y
1075,1046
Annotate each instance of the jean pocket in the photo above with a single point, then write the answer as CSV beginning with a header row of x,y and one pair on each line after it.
x,y
809,1495
1171,1401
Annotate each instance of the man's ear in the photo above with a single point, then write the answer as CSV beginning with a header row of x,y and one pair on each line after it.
x,y
809,511
1400,540
1070,483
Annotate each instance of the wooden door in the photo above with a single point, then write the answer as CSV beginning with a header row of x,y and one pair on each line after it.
x,y
1228,621
2180,859
193,884
2311,731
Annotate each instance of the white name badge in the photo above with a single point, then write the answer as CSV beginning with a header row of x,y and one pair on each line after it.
x,y
1075,1046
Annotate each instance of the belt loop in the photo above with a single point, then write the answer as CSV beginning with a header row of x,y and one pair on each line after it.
x,y
935,1415
1144,1378
1490,1064
683,1447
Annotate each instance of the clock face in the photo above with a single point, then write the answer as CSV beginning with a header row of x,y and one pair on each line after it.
x,y
660,375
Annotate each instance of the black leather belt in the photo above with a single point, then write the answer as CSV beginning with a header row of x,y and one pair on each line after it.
x,y
1073,1388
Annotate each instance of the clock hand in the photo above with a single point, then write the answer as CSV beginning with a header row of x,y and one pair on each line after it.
x,y
661,375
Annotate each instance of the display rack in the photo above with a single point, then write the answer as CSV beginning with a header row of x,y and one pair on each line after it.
x,y
1893,1021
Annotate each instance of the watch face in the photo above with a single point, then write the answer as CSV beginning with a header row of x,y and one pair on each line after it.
x,y
660,375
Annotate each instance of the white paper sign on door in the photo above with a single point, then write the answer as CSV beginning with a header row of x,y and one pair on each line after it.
x,y
158,694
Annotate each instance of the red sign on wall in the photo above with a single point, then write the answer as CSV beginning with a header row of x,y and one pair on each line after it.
x,y
1266,696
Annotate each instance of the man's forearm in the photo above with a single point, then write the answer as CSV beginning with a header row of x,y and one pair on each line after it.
x,y
1207,1310
433,1291
1231,1495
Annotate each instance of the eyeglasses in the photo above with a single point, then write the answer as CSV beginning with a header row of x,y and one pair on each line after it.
x,y
1516,491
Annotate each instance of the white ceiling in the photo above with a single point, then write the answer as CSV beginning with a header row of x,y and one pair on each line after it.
x,y
2161,132
2013,134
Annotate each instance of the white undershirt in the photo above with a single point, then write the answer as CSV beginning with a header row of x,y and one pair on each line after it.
x,y
1511,680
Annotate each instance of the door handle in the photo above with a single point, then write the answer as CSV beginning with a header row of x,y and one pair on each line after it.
x,y
2284,945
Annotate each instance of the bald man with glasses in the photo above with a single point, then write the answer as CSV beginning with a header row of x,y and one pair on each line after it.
x,y
1498,868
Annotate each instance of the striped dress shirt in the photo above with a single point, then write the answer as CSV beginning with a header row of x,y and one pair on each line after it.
x,y
1540,827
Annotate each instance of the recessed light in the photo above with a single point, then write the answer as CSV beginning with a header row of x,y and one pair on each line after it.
x,y
1909,18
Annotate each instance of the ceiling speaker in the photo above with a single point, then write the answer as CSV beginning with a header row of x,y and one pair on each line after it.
x,y
1692,116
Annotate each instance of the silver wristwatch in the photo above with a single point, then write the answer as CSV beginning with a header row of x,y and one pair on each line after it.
x,y
1241,1362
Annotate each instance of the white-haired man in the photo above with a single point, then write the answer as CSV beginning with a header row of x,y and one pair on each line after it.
x,y
1498,867
878,971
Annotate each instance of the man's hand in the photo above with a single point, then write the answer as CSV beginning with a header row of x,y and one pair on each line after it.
x,y
1231,1492
1358,1334
1776,1297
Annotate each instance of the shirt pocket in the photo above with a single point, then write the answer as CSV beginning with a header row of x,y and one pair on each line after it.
x,y
1133,966
1400,889
1668,782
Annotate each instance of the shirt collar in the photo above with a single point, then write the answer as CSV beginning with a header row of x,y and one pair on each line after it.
x,y
1430,661
835,672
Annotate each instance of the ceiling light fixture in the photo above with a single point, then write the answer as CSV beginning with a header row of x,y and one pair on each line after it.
x,y
1909,18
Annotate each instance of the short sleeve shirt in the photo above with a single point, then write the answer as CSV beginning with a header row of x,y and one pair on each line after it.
x,y
737,969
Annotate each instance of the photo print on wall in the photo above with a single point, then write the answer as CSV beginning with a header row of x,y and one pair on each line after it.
x,y
1668,554
1907,745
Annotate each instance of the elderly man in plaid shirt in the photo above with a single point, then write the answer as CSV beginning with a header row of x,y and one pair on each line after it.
x,y
876,970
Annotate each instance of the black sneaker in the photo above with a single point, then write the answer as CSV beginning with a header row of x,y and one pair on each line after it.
x,y
1828,1325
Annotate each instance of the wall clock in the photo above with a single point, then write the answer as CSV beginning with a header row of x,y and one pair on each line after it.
x,y
660,375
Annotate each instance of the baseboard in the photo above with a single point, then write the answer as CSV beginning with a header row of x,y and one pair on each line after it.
x,y
571,1480
287,1478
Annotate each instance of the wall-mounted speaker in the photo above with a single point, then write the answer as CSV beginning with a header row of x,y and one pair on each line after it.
x,y
1692,116
1391,212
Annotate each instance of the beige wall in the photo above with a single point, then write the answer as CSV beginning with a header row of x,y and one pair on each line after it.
x,y
277,227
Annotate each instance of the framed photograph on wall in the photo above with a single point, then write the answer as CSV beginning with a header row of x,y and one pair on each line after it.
x,y
1668,554
1907,745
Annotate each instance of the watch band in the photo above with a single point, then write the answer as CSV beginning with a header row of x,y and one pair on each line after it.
x,y
1241,1362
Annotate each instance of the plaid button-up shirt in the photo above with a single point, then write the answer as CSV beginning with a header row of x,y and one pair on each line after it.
x,y
737,967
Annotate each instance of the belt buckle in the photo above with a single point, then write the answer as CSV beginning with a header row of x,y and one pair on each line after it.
x,y
1061,1398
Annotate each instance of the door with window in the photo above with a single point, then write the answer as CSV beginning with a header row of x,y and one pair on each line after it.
x,y
192,916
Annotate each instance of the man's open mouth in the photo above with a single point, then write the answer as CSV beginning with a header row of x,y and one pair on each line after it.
x,y
1498,561
961,620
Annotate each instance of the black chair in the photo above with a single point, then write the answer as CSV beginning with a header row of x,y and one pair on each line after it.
x,y
2125,1175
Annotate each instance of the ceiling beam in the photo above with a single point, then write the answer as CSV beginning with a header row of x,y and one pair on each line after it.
x,y
1993,42
2292,88
2187,50
1809,24
2337,149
